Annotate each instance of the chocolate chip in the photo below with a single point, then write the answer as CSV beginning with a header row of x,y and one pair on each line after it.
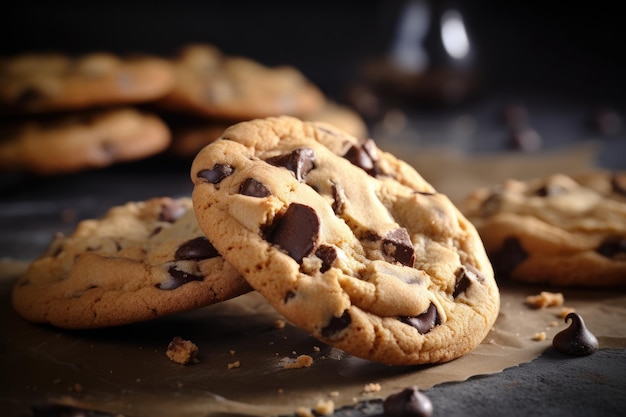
x,y
397,244
465,276
425,322
177,278
336,325
613,247
171,211
196,249
410,402
365,157
296,231
217,174
510,255
339,198
618,183
576,339
254,188
327,254
300,161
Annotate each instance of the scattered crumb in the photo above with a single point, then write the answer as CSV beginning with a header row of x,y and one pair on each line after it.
x,y
182,351
280,324
554,323
539,336
304,412
545,299
334,394
565,311
302,361
232,352
316,349
371,387
325,407
235,364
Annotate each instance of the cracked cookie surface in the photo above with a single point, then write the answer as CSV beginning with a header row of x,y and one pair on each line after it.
x,y
346,241
140,261
566,230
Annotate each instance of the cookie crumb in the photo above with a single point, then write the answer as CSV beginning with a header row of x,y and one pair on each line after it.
x,y
235,364
182,351
324,407
539,336
302,361
371,387
280,324
304,412
565,311
545,299
316,349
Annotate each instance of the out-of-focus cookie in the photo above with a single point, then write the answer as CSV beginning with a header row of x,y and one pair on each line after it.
x,y
564,230
76,141
189,138
346,241
211,84
142,260
51,81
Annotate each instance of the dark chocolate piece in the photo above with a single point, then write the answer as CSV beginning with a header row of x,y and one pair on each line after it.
x,y
327,254
196,249
336,325
177,279
217,174
613,247
254,188
365,157
296,231
510,255
397,244
425,322
618,183
576,339
410,402
466,275
300,161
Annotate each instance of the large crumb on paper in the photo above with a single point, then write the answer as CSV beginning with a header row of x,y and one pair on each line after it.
x,y
182,351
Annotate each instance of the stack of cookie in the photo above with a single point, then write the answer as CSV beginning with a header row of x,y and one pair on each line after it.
x,y
347,242
61,113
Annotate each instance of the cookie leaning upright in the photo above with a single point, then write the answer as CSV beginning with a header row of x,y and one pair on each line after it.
x,y
566,230
346,241
142,260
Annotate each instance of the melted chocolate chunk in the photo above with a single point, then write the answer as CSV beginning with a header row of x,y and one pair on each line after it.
x,y
339,198
172,211
217,174
327,254
425,322
613,247
618,182
196,249
410,402
397,244
254,188
296,231
365,157
300,161
466,275
177,278
576,339
509,257
336,325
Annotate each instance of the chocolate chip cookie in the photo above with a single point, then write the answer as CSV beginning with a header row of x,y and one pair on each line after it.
x,y
346,241
142,260
566,230
40,82
211,84
77,141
